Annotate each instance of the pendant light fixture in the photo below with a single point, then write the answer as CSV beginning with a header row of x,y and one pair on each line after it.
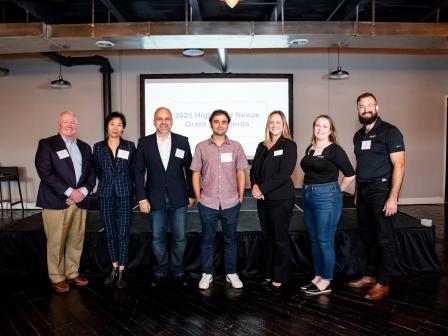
x,y
60,83
339,73
4,72
232,3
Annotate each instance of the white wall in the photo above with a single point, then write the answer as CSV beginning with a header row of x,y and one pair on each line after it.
x,y
410,87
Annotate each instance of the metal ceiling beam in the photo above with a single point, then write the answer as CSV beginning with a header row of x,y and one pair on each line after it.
x,y
40,37
195,10
351,14
277,11
38,9
115,12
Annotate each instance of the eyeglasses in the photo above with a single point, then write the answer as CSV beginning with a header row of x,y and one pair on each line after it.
x,y
363,107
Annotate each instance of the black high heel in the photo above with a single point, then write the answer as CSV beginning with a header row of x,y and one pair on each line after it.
x,y
110,280
121,283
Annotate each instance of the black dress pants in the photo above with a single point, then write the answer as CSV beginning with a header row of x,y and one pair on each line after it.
x,y
275,217
376,230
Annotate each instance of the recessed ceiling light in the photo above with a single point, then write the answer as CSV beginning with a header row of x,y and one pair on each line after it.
x,y
193,52
104,44
300,42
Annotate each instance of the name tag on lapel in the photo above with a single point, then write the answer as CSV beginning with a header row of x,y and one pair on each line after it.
x,y
318,152
62,154
123,154
226,157
278,152
366,144
179,153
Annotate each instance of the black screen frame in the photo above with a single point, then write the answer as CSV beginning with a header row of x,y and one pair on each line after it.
x,y
143,77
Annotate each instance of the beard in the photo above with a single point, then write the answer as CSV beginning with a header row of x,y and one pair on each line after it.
x,y
366,120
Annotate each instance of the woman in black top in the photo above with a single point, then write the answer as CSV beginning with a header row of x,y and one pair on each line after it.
x,y
322,199
270,176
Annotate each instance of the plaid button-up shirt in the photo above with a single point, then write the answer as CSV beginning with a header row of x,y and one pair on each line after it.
x,y
218,166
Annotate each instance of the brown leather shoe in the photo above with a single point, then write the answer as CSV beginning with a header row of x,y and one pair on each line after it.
x,y
377,292
364,281
79,281
61,287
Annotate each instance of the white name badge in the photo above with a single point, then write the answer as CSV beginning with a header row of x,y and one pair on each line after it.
x,y
318,152
179,153
62,154
226,157
278,152
366,144
123,154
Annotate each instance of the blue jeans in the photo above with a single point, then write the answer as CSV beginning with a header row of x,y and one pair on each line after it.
x,y
176,220
322,208
229,223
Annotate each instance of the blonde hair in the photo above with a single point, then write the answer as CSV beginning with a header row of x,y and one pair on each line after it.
x,y
286,133
332,137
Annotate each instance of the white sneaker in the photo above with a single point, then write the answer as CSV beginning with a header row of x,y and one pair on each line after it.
x,y
234,280
206,280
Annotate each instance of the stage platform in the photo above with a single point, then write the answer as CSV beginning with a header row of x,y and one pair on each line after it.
x,y
22,245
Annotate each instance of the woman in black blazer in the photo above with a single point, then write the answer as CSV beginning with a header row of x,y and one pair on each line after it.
x,y
113,162
272,186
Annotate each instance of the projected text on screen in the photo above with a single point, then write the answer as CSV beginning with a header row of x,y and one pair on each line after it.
x,y
191,101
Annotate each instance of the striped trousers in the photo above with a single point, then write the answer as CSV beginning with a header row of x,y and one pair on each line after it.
x,y
115,215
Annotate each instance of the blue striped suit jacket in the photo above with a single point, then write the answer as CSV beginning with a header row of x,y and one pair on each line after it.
x,y
110,177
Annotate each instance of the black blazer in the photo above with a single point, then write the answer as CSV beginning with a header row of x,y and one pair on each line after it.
x,y
114,180
175,181
57,175
273,174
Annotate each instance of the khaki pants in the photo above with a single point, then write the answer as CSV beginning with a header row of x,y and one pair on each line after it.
x,y
65,231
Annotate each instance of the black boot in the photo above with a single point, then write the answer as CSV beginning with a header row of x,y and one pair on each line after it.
x,y
110,280
121,283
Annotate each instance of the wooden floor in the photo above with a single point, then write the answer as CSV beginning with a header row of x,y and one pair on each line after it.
x,y
418,305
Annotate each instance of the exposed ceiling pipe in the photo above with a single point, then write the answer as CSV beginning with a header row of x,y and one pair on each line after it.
x,y
335,10
222,56
105,68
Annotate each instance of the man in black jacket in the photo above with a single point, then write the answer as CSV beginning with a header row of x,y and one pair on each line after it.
x,y
165,157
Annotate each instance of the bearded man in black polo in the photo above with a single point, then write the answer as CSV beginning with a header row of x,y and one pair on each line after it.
x,y
379,150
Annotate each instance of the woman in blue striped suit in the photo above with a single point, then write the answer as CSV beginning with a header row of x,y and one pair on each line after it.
x,y
113,161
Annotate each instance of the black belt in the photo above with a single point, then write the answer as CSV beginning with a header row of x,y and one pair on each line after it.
x,y
373,181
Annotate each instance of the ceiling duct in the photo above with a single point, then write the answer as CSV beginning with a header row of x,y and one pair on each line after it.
x,y
39,37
